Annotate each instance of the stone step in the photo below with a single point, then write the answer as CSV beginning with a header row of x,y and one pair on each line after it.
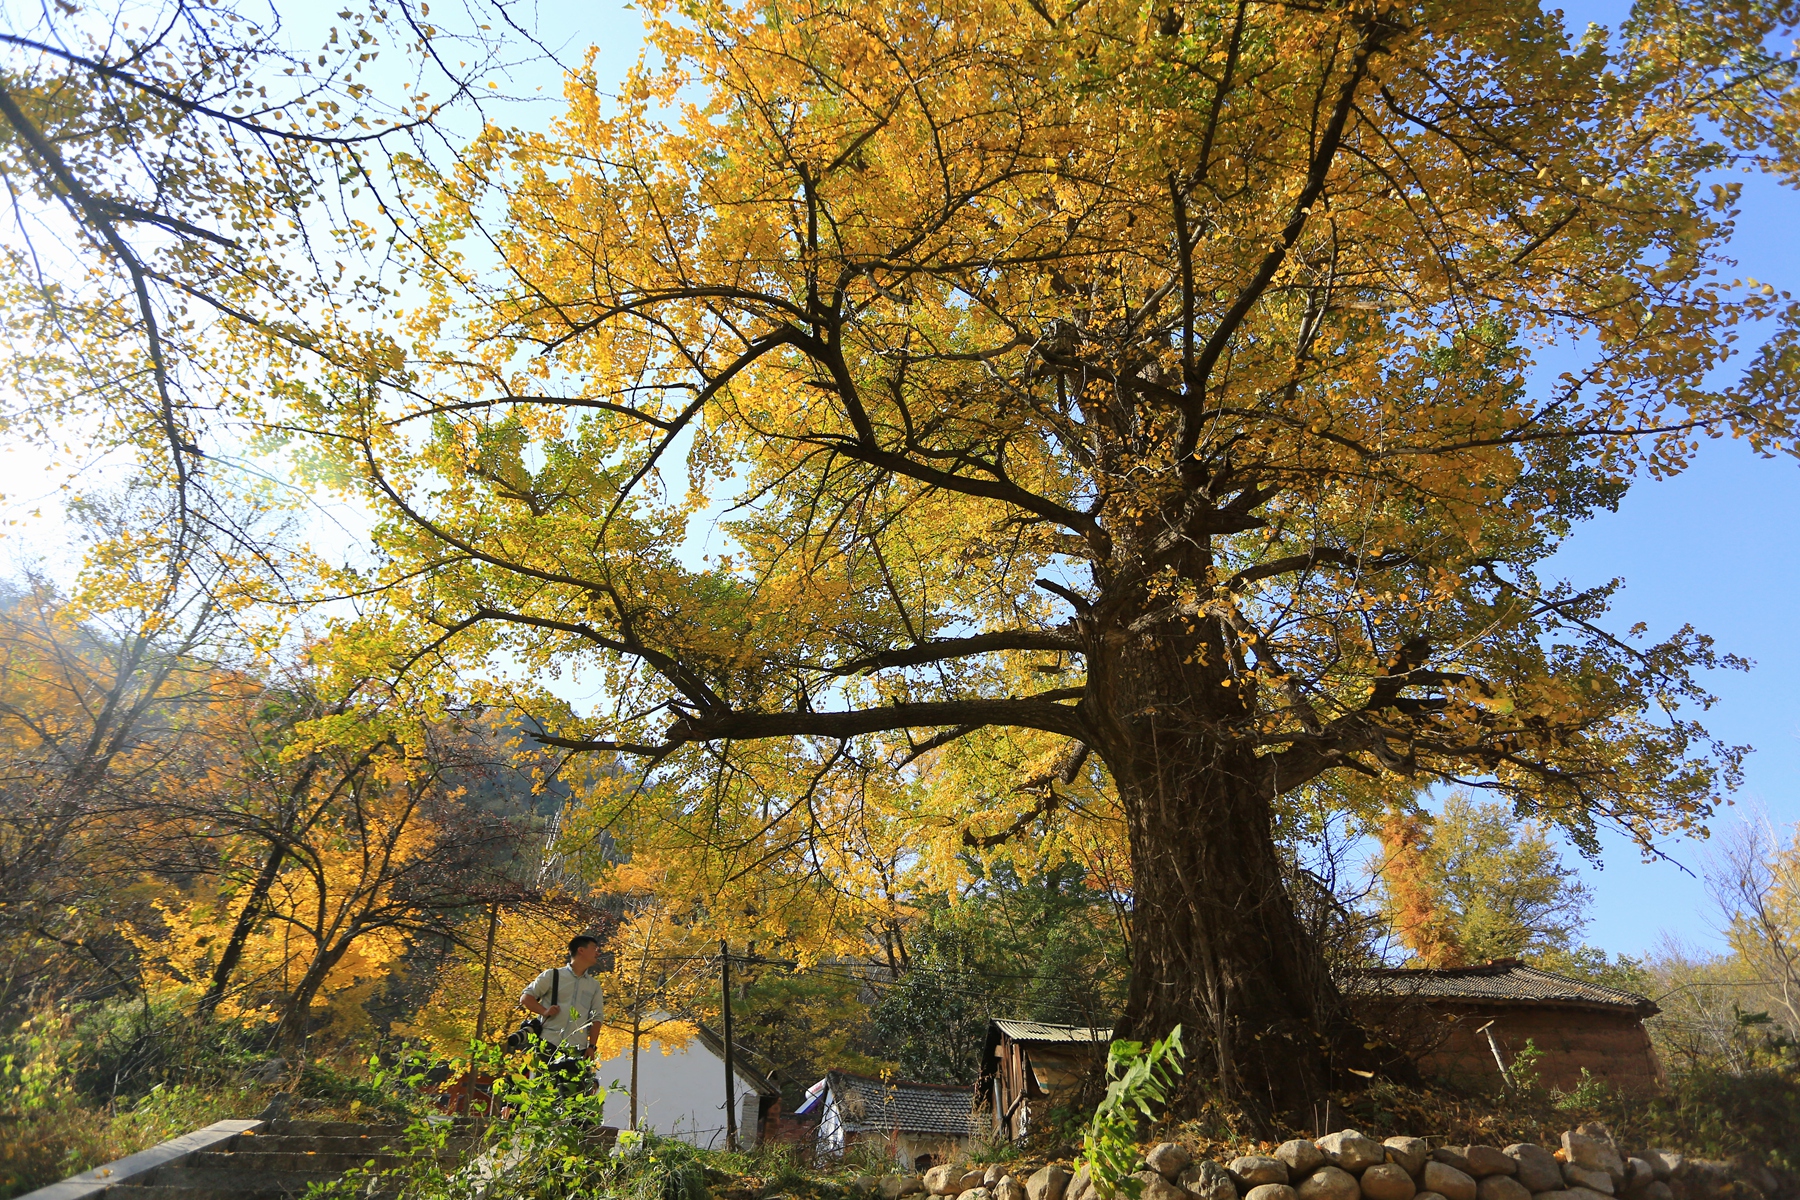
x,y
297,1143
251,1160
308,1143
333,1129
283,1159
136,1191
351,1146
237,1179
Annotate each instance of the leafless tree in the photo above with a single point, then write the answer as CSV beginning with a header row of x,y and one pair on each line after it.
x,y
1754,880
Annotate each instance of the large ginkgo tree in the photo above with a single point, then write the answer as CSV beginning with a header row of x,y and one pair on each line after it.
x,y
981,400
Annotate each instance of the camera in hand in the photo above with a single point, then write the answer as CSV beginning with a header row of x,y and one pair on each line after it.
x,y
530,1031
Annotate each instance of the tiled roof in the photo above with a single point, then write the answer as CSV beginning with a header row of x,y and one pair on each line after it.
x,y
1038,1031
1503,981
908,1107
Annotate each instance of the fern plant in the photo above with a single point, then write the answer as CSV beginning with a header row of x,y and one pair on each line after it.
x,y
1137,1080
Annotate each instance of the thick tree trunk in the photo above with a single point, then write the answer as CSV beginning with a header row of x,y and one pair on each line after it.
x,y
1217,947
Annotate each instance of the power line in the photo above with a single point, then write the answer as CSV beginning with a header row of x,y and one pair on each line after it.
x,y
963,986
789,965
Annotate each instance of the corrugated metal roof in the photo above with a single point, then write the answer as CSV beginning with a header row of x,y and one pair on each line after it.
x,y
907,1107
1039,1031
1504,981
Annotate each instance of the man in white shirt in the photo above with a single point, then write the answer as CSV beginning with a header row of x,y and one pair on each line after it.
x,y
567,1000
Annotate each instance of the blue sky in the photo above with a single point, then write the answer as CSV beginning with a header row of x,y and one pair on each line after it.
x,y
1717,547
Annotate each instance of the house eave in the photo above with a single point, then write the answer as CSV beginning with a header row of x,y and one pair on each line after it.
x,y
1649,1008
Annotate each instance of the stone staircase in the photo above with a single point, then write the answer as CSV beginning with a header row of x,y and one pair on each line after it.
x,y
266,1160
282,1161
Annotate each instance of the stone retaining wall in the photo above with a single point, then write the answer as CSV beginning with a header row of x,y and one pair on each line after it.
x,y
1347,1165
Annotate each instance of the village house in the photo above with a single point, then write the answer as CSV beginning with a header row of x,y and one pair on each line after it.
x,y
918,1125
1474,1021
1463,1023
681,1090
1025,1064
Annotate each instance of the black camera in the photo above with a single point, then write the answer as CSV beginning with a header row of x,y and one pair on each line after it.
x,y
530,1030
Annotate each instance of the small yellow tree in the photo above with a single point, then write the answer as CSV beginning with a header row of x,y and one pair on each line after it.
x,y
475,994
1475,883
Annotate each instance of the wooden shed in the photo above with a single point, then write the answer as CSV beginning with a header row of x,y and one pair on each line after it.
x,y
1473,1021
1025,1064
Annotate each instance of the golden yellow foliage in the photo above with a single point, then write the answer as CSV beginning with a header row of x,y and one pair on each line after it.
x,y
928,428
1113,421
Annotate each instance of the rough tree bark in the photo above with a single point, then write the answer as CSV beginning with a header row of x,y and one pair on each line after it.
x,y
1217,947
296,1017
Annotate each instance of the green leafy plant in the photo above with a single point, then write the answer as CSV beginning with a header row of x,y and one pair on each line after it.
x,y
544,1141
1522,1075
983,1152
1138,1079
1590,1093
60,1112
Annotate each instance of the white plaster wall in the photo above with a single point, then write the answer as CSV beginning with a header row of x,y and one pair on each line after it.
x,y
831,1127
681,1094
835,1136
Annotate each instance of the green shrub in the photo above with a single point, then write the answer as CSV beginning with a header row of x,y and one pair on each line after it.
x,y
545,1142
1721,1114
86,1084
363,1095
1139,1080
995,1152
1588,1095
1522,1076
124,1049
1706,1113
42,1125
48,1132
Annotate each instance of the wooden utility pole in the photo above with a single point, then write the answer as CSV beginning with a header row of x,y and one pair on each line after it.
x,y
730,1077
637,1014
487,971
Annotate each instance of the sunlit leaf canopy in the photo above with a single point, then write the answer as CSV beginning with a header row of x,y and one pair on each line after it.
x,y
999,338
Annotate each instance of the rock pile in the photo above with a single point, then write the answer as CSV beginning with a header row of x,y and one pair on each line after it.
x,y
1351,1166
1348,1165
